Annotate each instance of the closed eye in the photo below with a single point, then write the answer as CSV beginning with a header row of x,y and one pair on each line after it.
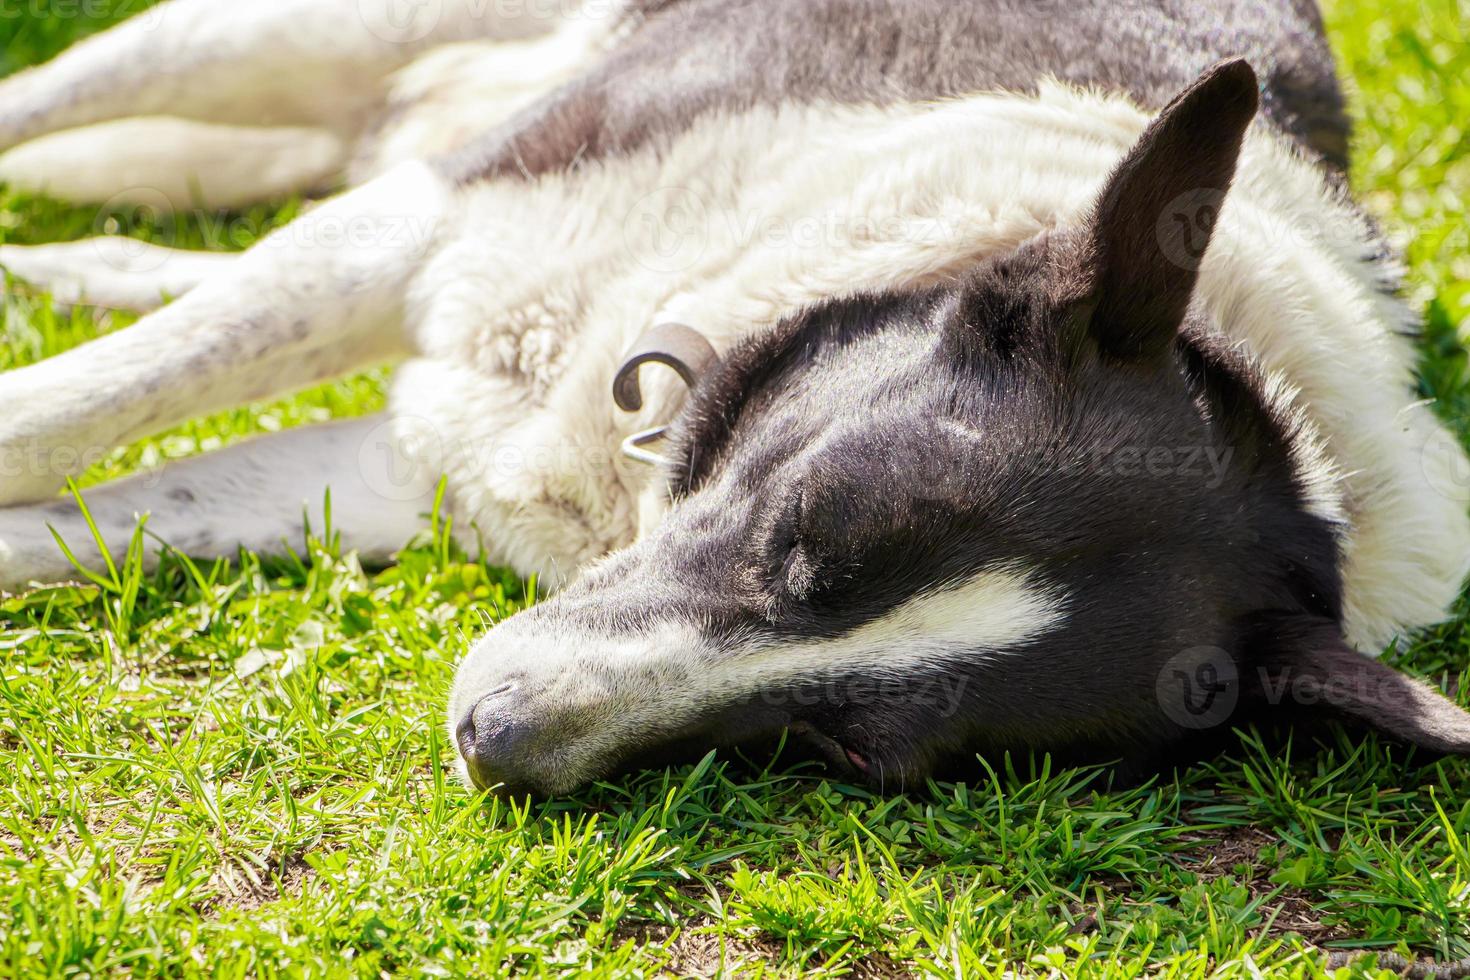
x,y
792,560
798,572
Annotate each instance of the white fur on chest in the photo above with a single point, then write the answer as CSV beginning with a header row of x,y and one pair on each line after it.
x,y
537,289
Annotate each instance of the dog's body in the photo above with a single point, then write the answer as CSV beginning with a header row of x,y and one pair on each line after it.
x,y
731,165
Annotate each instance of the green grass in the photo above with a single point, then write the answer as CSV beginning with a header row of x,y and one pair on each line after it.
x,y
240,769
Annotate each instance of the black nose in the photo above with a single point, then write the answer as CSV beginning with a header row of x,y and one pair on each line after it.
x,y
494,743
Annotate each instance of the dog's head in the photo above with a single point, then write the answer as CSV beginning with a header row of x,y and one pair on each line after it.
x,y
1035,508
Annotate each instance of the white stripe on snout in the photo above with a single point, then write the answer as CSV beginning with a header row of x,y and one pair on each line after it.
x,y
623,690
995,611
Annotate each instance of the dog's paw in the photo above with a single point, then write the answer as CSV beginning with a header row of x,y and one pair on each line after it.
x,y
110,272
29,554
28,474
48,432
33,469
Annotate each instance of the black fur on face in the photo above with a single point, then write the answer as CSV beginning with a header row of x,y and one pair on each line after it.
x,y
1039,507
882,448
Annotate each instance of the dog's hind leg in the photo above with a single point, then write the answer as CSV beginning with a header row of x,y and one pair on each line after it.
x,y
261,494
312,301
257,63
175,164
112,272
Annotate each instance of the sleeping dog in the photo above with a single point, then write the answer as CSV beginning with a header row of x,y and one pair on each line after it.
x,y
1035,383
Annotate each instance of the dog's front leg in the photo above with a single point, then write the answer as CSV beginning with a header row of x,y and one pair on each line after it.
x,y
164,164
252,62
260,494
316,299
111,272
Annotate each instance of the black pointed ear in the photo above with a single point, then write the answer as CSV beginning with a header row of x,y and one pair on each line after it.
x,y
1151,226
1304,662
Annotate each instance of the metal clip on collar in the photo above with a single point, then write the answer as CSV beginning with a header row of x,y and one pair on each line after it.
x,y
674,345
